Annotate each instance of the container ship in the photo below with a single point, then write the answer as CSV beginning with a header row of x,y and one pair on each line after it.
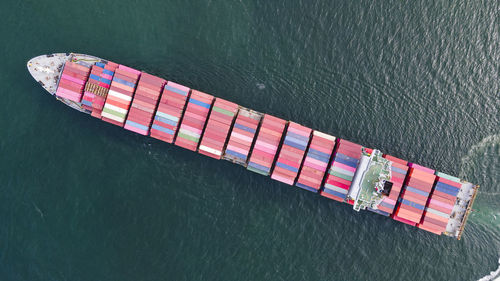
x,y
293,154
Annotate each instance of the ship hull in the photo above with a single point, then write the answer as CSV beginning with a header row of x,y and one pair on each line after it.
x,y
286,151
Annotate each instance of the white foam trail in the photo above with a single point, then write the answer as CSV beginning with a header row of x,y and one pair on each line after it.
x,y
493,275
478,147
489,193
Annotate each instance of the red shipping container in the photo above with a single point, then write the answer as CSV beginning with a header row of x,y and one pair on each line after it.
x,y
395,160
435,222
430,228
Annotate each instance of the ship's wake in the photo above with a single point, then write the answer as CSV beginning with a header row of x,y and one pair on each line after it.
x,y
482,165
494,275
488,146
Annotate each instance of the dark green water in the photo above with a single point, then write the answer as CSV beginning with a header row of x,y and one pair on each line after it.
x,y
84,200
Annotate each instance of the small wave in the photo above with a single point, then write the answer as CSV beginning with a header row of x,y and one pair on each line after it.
x,y
493,275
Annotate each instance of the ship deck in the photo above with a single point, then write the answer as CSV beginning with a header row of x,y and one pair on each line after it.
x,y
461,210
47,69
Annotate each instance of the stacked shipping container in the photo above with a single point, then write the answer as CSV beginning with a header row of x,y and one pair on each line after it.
x,y
316,162
194,120
120,95
92,85
342,169
440,205
242,136
72,82
143,106
292,153
217,129
169,112
399,169
266,145
415,194
97,87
